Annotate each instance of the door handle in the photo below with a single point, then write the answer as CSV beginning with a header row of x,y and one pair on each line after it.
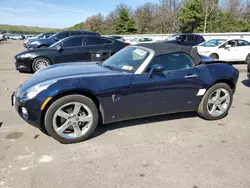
x,y
191,76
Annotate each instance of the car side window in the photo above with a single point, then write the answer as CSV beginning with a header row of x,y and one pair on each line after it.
x,y
94,41
191,37
243,43
63,35
107,41
75,42
171,62
183,38
232,43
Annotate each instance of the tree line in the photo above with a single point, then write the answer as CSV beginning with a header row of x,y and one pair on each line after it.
x,y
166,16
173,16
25,29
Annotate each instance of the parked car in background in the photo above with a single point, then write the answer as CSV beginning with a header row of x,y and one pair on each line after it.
x,y
1,37
119,38
16,37
45,43
38,37
138,81
187,39
141,40
226,50
71,49
248,69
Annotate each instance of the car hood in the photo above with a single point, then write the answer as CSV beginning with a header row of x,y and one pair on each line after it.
x,y
40,50
67,71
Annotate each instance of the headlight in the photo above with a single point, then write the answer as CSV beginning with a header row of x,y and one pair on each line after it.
x,y
34,43
26,55
35,90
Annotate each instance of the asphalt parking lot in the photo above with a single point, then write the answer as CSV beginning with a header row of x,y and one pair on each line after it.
x,y
171,151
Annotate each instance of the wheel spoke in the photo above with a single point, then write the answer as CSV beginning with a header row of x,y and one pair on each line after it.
x,y
225,97
222,109
213,109
77,131
63,128
63,114
85,118
218,93
77,108
211,101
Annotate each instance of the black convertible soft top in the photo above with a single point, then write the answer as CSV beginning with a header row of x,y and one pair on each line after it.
x,y
168,48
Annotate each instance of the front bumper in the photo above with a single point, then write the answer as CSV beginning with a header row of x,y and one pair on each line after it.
x,y
23,64
28,110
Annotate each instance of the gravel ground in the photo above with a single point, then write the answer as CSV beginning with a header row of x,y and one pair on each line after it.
x,y
171,151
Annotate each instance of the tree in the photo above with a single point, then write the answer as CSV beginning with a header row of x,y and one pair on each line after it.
x,y
190,16
109,26
208,7
124,24
144,17
95,23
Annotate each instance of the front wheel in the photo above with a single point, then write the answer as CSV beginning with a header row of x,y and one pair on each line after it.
x,y
247,59
216,103
214,56
71,119
39,63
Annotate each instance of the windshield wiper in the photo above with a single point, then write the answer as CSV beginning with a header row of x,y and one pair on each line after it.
x,y
108,67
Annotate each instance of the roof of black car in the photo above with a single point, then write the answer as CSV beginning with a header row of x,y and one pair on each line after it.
x,y
168,48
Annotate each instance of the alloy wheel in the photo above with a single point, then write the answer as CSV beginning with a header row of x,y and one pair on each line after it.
x,y
40,63
218,102
72,120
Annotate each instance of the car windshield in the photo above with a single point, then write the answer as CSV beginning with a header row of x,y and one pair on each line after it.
x,y
212,43
39,35
134,40
127,60
173,37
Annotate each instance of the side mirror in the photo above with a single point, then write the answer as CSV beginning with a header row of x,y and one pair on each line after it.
x,y
155,69
56,39
228,46
59,48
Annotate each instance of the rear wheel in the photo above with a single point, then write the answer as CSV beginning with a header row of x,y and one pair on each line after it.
x,y
216,103
39,63
71,119
214,56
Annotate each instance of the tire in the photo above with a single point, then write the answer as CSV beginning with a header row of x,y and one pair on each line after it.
x,y
205,106
39,63
247,59
69,135
214,56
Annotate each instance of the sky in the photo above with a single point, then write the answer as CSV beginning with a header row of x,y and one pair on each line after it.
x,y
56,13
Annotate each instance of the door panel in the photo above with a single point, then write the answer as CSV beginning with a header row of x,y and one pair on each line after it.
x,y
168,92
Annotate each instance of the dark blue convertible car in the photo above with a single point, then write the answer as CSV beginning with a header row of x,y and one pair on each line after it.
x,y
69,100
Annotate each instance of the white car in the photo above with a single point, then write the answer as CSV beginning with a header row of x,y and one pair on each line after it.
x,y
226,50
141,40
1,37
16,37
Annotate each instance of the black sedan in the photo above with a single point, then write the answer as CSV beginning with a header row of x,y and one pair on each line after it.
x,y
71,49
69,100
187,39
